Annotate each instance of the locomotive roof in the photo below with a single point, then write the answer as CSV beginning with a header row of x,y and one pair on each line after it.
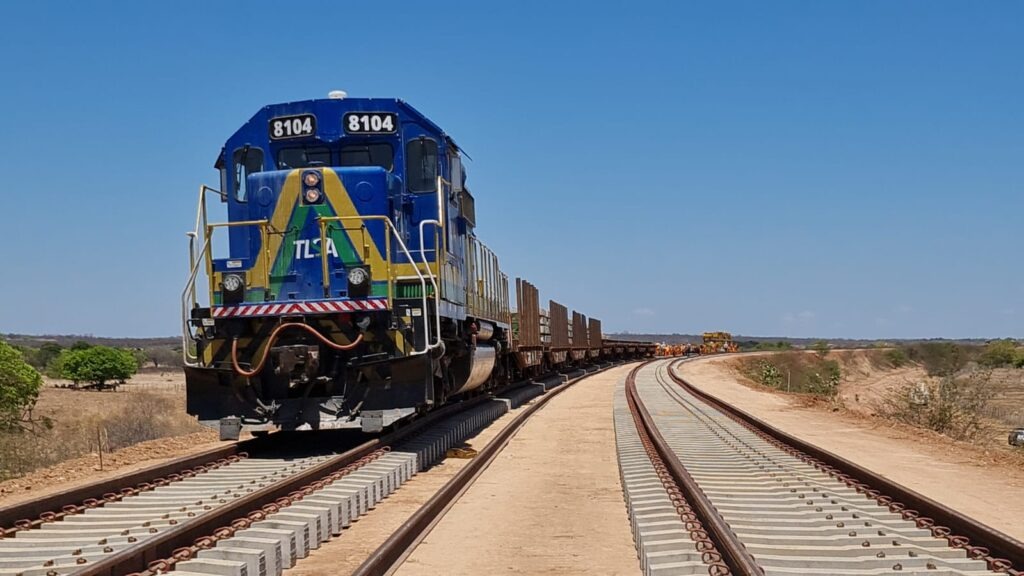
x,y
330,107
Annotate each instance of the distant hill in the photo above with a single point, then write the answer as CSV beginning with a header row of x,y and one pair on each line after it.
x,y
795,342
66,340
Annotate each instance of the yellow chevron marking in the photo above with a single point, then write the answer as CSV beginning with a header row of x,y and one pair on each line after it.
x,y
286,203
340,200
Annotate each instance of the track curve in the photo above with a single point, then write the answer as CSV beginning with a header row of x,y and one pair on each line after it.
x,y
787,511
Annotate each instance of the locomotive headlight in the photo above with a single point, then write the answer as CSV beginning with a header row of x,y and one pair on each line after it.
x,y
358,276
233,286
312,195
232,282
358,282
311,179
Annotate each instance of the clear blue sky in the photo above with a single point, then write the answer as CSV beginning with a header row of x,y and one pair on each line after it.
x,y
770,168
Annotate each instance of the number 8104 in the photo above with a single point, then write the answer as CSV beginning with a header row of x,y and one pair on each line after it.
x,y
364,123
292,127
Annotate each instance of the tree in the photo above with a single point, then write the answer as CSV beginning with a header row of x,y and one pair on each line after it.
x,y
821,348
28,354
939,358
47,353
97,365
140,357
55,369
19,386
40,358
166,357
896,357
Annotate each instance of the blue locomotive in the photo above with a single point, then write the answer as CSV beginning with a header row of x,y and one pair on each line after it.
x,y
353,291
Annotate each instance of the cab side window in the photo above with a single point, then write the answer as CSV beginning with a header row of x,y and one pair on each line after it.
x,y
247,160
421,165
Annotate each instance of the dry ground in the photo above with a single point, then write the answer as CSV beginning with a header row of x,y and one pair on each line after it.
x,y
1008,404
866,381
551,503
150,405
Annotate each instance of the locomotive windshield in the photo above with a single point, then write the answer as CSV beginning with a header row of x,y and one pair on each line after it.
x,y
303,157
379,154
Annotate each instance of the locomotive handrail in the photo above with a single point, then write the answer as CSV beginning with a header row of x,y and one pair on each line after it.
x,y
200,225
437,293
189,294
323,220
264,247
440,252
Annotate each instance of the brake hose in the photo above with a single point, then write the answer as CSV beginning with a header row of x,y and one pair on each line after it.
x,y
270,343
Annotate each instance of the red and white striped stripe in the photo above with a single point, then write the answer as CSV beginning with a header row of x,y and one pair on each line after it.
x,y
308,307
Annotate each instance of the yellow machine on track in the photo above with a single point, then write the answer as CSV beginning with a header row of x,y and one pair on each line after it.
x,y
718,343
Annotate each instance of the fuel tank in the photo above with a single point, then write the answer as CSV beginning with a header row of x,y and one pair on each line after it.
x,y
473,369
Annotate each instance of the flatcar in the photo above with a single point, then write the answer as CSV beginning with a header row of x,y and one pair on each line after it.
x,y
348,287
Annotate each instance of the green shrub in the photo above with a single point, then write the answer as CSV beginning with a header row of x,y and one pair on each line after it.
x,y
96,365
825,380
999,353
19,386
41,357
821,348
769,375
896,357
795,372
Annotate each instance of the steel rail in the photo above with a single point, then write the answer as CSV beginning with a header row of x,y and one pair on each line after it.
x,y
1001,552
732,550
75,500
167,545
691,522
403,541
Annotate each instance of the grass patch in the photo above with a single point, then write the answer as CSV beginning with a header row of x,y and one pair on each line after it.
x,y
145,416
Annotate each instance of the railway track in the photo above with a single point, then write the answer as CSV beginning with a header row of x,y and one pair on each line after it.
x,y
712,490
229,512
